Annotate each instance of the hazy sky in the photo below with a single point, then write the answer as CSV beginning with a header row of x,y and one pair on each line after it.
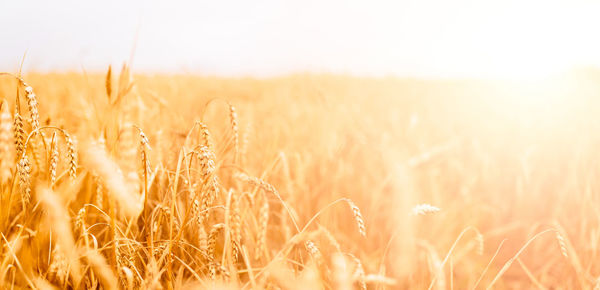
x,y
264,37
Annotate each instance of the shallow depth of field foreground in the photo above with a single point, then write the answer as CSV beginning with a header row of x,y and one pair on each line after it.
x,y
300,182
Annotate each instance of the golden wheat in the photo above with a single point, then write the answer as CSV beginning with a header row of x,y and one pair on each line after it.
x,y
93,205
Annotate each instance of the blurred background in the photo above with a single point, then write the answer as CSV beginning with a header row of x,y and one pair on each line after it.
x,y
432,38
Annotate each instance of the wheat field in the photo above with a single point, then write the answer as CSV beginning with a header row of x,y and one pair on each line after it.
x,y
121,181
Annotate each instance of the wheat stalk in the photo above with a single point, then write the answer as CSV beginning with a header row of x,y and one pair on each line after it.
x,y
263,221
72,155
314,252
359,273
24,170
360,222
33,108
19,134
424,209
207,174
233,118
108,83
206,137
7,154
235,224
59,219
80,221
58,269
53,159
97,159
102,269
561,243
257,182
480,241
212,245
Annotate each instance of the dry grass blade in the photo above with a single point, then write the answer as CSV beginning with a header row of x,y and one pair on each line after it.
x,y
515,257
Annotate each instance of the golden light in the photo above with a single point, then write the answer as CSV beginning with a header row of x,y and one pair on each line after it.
x,y
316,144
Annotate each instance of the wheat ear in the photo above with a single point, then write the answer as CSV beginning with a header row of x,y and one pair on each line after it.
x,y
7,153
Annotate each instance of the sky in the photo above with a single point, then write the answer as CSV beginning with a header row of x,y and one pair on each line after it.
x,y
421,38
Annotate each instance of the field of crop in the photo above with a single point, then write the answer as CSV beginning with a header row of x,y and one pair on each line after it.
x,y
300,182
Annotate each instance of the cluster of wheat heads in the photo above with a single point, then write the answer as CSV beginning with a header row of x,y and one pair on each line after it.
x,y
101,213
